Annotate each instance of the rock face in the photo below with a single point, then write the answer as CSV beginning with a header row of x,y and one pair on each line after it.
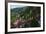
x,y
18,23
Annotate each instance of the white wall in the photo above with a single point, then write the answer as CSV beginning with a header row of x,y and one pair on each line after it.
x,y
2,23
2,17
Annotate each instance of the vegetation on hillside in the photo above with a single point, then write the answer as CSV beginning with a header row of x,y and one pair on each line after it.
x,y
27,17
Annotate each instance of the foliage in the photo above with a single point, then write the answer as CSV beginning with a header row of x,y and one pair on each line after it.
x,y
25,13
